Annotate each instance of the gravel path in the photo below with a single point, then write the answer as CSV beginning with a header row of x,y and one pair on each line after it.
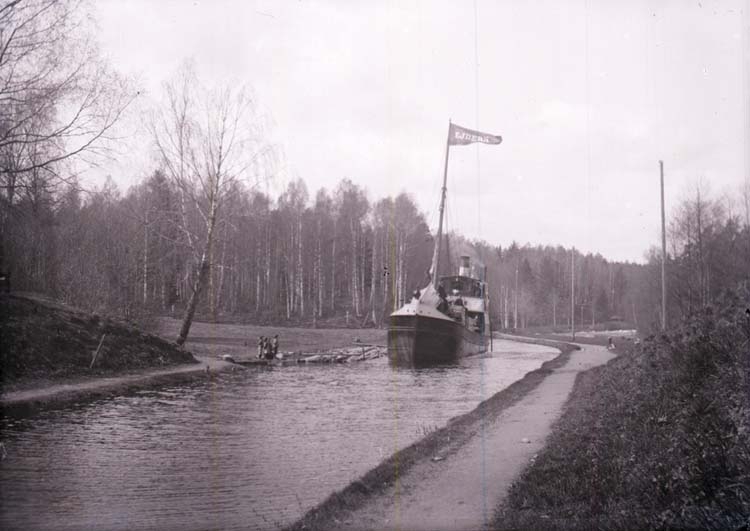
x,y
461,491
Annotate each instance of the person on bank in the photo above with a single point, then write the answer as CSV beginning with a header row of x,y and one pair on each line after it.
x,y
269,349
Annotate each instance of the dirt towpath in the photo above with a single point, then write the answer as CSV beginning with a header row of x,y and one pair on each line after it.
x,y
21,403
461,491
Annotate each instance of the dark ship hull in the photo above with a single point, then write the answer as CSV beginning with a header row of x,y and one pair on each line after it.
x,y
422,341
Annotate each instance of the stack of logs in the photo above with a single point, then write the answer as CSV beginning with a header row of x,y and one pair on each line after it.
x,y
365,352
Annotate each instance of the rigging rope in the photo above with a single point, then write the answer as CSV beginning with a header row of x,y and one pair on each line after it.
x,y
588,127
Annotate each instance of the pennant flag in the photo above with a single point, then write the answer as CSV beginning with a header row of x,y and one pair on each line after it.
x,y
460,136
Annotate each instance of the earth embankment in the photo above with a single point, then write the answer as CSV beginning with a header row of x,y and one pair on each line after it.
x,y
41,339
51,353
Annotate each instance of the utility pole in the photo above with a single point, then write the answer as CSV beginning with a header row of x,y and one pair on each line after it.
x,y
515,304
507,312
663,254
573,292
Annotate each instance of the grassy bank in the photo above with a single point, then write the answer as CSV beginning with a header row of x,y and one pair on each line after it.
x,y
658,438
443,441
240,340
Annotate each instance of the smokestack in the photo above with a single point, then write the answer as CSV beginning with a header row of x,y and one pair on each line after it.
x,y
465,269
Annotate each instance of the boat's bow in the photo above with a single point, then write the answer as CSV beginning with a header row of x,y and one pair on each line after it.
x,y
420,334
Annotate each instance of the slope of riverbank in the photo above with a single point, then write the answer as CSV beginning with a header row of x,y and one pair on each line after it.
x,y
44,343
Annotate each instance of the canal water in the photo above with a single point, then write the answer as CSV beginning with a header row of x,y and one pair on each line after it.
x,y
252,449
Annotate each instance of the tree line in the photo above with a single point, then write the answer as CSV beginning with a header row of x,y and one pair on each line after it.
x,y
339,259
708,253
292,259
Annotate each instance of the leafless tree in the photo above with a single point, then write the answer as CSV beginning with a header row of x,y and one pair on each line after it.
x,y
58,99
59,104
207,139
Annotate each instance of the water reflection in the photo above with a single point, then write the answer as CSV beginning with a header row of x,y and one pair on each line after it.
x,y
250,449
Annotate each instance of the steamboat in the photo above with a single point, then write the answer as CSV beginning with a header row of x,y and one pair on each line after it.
x,y
448,318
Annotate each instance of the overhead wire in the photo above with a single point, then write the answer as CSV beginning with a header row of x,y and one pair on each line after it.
x,y
476,121
485,514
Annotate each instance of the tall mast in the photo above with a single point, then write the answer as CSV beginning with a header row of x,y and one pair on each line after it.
x,y
436,254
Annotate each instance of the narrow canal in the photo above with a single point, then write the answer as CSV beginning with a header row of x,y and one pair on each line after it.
x,y
251,449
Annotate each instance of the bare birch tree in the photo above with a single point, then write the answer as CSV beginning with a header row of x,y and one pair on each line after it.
x,y
207,139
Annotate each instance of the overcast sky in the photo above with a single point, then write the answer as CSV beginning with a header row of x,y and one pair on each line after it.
x,y
587,95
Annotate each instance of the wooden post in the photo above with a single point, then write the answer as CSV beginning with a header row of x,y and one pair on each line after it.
x,y
515,303
573,293
96,352
489,323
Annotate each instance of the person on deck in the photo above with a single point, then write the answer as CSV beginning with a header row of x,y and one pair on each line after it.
x,y
275,345
443,304
261,344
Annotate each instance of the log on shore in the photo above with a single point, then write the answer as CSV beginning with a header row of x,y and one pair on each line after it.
x,y
341,355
